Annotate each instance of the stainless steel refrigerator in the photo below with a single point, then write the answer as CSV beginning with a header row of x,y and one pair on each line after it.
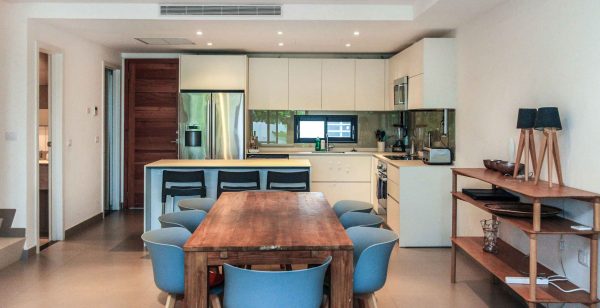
x,y
211,125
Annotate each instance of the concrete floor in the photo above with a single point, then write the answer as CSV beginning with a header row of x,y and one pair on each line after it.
x,y
105,266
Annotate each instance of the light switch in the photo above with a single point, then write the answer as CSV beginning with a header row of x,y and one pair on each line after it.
x,y
10,136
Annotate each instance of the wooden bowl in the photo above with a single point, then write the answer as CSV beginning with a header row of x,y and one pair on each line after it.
x,y
489,163
507,168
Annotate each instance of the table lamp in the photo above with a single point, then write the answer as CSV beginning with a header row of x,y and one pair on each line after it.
x,y
526,122
548,121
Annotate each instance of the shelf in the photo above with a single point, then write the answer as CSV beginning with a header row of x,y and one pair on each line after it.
x,y
509,261
528,189
554,225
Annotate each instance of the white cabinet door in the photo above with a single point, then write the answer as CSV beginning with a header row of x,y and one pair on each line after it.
x,y
338,168
343,191
213,72
370,85
305,84
338,84
414,55
393,215
415,92
268,83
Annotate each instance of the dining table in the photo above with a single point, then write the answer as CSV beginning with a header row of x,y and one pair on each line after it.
x,y
269,228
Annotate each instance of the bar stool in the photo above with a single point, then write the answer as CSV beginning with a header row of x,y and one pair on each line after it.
x,y
245,180
358,219
204,204
344,206
289,181
170,177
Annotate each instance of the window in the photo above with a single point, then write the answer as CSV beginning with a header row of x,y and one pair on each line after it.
x,y
339,129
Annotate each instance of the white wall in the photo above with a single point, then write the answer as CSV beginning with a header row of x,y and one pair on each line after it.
x,y
82,89
531,54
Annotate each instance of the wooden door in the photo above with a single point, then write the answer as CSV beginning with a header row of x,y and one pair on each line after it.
x,y
151,99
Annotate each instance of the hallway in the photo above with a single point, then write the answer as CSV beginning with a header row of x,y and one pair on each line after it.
x,y
105,266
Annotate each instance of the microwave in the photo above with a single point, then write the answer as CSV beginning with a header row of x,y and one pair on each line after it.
x,y
401,93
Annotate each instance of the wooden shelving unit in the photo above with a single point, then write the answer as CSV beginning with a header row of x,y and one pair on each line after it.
x,y
511,262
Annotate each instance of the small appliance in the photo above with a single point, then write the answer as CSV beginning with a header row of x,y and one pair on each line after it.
x,y
401,93
400,157
437,156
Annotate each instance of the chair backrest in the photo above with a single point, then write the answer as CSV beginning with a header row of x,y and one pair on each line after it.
x,y
343,206
170,177
290,289
292,181
185,219
245,180
372,249
204,204
165,247
358,219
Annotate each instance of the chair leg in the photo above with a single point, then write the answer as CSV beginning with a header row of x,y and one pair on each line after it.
x,y
373,301
215,302
171,299
163,208
325,302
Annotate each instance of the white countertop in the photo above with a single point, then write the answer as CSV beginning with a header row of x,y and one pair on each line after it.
x,y
230,163
400,163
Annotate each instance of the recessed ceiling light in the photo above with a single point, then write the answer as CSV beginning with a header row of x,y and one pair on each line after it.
x,y
348,44
280,44
209,44
356,33
199,33
279,32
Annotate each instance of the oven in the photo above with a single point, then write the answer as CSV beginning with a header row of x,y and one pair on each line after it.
x,y
401,93
382,189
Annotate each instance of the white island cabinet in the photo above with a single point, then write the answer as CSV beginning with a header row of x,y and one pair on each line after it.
x,y
340,176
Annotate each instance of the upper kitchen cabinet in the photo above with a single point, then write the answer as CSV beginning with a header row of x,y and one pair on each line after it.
x,y
268,83
370,85
338,84
213,72
430,65
305,84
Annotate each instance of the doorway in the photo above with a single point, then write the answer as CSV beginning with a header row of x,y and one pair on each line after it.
x,y
44,146
112,140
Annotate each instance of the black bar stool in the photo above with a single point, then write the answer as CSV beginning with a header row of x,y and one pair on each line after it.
x,y
292,181
181,191
251,179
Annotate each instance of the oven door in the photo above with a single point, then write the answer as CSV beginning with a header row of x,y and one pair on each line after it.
x,y
382,194
401,93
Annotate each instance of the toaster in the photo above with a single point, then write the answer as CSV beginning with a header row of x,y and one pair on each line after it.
x,y
437,156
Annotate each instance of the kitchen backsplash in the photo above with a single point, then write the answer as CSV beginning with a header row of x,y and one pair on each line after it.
x,y
432,121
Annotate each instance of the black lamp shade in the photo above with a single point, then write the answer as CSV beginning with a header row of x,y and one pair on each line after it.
x,y
193,138
547,117
526,118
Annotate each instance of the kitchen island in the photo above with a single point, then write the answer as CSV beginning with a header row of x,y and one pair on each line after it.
x,y
153,178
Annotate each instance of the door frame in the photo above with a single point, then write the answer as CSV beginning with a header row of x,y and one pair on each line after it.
x,y
55,157
118,141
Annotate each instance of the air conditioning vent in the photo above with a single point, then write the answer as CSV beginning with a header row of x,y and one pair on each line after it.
x,y
220,10
164,41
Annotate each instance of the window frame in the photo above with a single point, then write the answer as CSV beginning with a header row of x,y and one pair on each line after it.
x,y
353,119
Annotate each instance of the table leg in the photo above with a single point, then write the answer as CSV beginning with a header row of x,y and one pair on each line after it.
x,y
342,273
196,280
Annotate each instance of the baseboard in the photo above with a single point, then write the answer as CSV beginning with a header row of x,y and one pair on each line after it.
x,y
83,225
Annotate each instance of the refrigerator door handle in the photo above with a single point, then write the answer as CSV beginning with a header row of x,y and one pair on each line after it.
x,y
213,140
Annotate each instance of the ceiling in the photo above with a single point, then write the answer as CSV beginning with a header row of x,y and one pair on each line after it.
x,y
302,36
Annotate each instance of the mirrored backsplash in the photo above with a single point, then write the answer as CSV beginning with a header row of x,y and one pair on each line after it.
x,y
274,127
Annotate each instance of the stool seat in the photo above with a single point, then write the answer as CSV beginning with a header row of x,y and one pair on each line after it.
x,y
204,204
344,206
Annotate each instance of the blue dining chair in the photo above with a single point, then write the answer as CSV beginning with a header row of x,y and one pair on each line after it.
x,y
204,204
372,250
185,219
343,206
166,251
291,289
358,219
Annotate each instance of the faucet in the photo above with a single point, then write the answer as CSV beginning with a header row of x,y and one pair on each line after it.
x,y
328,146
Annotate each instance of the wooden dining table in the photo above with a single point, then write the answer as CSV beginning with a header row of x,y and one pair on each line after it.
x,y
259,228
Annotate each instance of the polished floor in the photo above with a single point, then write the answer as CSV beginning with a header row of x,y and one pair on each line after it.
x,y
106,266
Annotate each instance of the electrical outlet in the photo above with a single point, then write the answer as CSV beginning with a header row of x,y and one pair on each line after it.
x,y
583,257
561,244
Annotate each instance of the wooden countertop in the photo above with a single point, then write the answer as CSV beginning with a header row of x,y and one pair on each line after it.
x,y
230,163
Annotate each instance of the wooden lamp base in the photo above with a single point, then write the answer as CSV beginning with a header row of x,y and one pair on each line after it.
x,y
526,146
550,143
